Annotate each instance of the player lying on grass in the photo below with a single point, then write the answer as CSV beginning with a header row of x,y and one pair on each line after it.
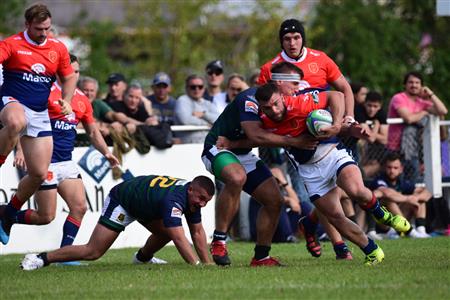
x,y
158,203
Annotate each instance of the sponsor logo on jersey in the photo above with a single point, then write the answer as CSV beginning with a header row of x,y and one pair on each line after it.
x,y
35,78
70,117
313,67
303,84
81,106
121,217
64,126
38,68
176,212
251,106
52,56
24,52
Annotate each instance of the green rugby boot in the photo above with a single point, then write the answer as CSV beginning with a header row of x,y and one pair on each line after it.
x,y
399,223
375,257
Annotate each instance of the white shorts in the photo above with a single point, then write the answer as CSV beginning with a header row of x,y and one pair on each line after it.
x,y
38,122
114,216
320,177
57,172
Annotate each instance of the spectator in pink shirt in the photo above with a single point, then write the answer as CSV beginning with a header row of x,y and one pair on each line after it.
x,y
412,105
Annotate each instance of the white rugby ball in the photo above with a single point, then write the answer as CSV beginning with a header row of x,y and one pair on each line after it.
x,y
318,119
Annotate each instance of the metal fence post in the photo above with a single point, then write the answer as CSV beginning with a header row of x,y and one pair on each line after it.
x,y
432,156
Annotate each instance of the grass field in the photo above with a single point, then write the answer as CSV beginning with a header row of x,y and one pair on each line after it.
x,y
413,269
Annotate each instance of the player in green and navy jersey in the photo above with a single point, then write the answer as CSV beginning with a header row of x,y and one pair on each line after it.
x,y
239,169
158,203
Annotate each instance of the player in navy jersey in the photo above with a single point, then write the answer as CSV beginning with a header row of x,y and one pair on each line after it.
x,y
158,203
31,61
63,175
239,169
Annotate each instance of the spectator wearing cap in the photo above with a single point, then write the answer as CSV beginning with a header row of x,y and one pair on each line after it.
x,y
235,84
162,102
193,109
117,85
214,78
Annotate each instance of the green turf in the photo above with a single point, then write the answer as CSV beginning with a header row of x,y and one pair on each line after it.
x,y
413,269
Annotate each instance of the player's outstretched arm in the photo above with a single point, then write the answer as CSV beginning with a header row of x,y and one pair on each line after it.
x,y
199,239
182,244
261,137
68,85
99,143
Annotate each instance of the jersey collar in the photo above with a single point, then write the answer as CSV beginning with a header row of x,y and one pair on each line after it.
x,y
291,60
30,41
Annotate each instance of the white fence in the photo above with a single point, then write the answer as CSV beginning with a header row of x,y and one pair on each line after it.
x,y
181,161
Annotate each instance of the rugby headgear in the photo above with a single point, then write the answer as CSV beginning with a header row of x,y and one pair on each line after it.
x,y
292,25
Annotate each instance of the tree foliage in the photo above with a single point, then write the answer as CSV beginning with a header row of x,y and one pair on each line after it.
x,y
378,42
180,38
9,12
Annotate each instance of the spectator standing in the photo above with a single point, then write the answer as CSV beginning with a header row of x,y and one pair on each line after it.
x,y
193,109
373,119
117,86
214,78
412,105
163,103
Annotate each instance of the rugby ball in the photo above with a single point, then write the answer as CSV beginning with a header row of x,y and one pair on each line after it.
x,y
318,119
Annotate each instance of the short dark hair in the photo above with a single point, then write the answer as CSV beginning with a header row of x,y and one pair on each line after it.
x,y
73,58
414,74
37,12
285,67
392,156
206,183
374,97
356,87
265,92
191,77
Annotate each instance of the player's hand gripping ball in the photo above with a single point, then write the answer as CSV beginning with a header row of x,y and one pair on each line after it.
x,y
318,119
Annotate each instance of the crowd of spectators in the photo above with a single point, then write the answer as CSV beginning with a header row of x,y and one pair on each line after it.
x,y
129,110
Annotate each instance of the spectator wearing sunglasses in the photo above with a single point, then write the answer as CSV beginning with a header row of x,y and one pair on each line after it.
x,y
193,109
235,84
214,78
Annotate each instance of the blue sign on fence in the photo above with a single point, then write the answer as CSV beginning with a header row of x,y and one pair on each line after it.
x,y
95,164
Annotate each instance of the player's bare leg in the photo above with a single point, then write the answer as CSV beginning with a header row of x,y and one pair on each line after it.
x,y
101,240
73,193
12,117
350,180
269,195
330,206
37,153
155,242
45,212
234,177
